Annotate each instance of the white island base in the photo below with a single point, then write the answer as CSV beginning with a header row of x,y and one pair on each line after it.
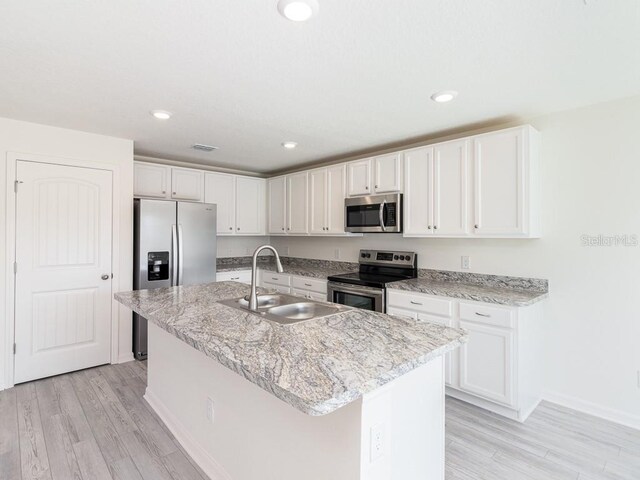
x,y
395,432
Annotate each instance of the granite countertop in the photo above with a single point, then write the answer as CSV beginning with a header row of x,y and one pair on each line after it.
x,y
316,366
292,266
468,291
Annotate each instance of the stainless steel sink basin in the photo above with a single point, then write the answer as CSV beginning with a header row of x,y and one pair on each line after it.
x,y
304,310
264,301
287,309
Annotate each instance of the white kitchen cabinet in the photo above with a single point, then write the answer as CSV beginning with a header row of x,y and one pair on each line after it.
x,y
240,203
359,177
499,368
436,190
187,184
387,177
318,201
276,282
242,276
277,205
381,174
150,180
427,309
297,198
250,206
326,200
486,362
506,183
220,189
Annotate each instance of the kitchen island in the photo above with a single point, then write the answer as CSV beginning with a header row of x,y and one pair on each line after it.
x,y
355,395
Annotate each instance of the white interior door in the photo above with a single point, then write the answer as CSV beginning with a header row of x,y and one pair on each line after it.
x,y
63,279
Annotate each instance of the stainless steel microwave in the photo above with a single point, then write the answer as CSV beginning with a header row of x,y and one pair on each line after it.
x,y
373,214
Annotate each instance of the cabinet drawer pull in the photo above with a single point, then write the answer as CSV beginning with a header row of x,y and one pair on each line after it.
x,y
308,285
274,278
483,314
235,278
415,303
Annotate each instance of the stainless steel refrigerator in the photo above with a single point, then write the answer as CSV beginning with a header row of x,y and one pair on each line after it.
x,y
174,244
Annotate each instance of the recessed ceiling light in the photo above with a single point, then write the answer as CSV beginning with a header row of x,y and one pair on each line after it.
x,y
445,96
289,145
298,10
161,114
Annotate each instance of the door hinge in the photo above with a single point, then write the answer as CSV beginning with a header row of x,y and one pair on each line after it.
x,y
15,185
15,267
14,348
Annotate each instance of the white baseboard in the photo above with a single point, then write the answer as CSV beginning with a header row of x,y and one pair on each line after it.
x,y
199,455
125,357
606,413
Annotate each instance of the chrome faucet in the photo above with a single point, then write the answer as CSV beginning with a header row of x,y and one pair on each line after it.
x,y
253,298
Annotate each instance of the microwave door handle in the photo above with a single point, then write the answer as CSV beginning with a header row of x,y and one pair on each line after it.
x,y
381,215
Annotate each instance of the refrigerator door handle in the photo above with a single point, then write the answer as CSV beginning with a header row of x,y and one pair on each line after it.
x,y
180,256
174,256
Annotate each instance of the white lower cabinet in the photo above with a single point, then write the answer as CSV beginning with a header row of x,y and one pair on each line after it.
x,y
499,368
242,276
311,288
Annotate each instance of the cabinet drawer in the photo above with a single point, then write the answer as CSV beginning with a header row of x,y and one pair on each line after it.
x,y
311,284
276,278
420,303
243,276
487,315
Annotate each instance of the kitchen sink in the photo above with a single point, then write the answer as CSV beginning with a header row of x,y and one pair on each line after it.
x,y
286,309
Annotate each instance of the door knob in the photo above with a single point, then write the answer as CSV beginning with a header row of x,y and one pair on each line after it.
x,y
105,277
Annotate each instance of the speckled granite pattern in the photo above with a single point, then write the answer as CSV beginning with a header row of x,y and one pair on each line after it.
x,y
497,281
316,366
233,264
469,291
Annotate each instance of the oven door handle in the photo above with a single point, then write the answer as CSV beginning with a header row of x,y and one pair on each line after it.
x,y
342,287
381,215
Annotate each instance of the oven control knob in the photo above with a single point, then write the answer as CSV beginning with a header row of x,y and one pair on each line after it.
x,y
395,257
368,255
363,255
401,257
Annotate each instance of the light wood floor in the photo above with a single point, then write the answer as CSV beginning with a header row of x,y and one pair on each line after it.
x,y
94,424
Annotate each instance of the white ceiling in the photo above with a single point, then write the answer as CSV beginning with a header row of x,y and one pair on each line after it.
x,y
238,75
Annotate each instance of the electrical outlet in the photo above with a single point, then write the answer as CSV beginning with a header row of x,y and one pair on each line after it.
x,y
336,254
210,410
377,442
466,262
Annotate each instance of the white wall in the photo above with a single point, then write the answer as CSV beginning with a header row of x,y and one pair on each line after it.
x,y
23,137
590,185
239,246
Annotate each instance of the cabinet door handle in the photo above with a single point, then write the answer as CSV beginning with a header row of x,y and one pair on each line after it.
x,y
366,187
376,186
476,226
435,227
164,191
429,227
230,228
483,314
415,303
283,229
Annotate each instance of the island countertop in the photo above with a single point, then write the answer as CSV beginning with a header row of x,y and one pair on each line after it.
x,y
316,366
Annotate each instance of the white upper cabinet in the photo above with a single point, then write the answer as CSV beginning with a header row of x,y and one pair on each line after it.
x,y
318,201
436,187
387,176
220,188
381,174
277,201
297,187
506,183
187,184
240,201
418,196
495,196
250,206
151,180
326,200
359,177
336,193
450,188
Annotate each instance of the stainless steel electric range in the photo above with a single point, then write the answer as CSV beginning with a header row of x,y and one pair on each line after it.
x,y
366,288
